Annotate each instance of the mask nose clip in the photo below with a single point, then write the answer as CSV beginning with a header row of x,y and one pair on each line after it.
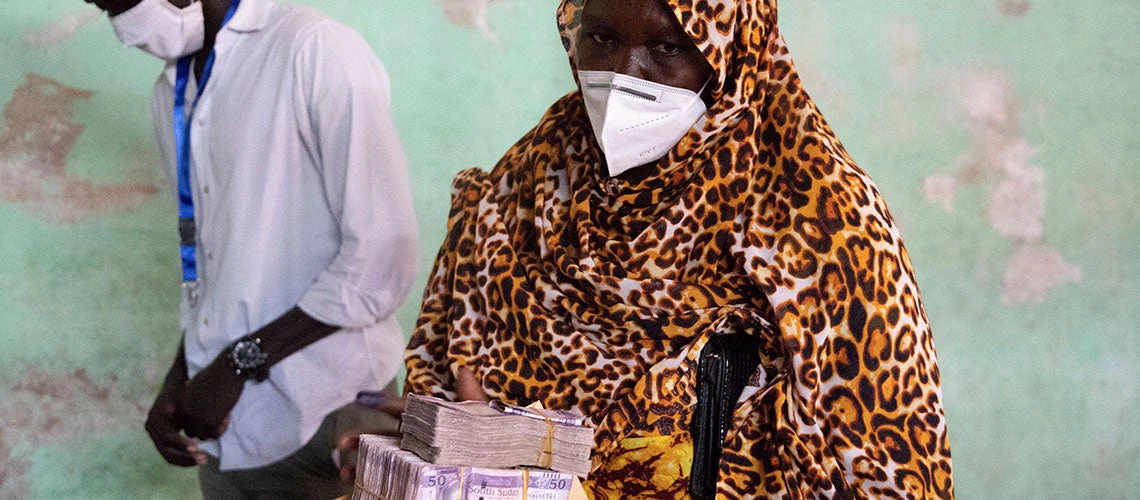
x,y
635,93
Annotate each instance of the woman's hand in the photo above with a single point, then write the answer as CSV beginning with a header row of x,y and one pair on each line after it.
x,y
467,387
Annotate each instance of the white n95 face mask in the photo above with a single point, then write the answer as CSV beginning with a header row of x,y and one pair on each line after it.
x,y
637,121
162,29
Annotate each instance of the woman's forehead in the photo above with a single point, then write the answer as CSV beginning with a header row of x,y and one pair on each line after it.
x,y
632,15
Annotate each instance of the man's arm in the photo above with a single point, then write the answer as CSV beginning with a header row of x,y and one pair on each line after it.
x,y
344,101
203,406
343,98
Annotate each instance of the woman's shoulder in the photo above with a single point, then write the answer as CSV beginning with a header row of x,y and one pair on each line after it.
x,y
544,143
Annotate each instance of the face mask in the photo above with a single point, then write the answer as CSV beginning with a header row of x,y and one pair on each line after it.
x,y
161,29
637,121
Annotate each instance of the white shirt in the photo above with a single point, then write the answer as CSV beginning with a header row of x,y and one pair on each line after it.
x,y
302,198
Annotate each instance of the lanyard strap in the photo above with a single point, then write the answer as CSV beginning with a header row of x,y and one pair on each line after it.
x,y
186,228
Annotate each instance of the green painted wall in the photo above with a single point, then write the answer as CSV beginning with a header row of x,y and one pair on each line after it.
x,y
1003,133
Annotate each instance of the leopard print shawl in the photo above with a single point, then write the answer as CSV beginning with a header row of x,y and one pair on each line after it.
x,y
560,285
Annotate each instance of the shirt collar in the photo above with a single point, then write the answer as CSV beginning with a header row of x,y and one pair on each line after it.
x,y
251,15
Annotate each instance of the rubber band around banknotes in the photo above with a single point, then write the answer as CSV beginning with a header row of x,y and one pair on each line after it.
x,y
546,455
368,491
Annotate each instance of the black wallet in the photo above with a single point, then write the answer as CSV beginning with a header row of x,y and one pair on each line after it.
x,y
726,363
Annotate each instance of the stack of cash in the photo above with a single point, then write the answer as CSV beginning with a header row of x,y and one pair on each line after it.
x,y
496,435
385,472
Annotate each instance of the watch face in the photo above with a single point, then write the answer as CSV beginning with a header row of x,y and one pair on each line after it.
x,y
248,354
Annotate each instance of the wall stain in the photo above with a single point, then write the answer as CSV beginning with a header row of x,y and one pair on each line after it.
x,y
470,14
47,408
1001,162
1013,8
13,471
62,30
36,137
940,189
1035,269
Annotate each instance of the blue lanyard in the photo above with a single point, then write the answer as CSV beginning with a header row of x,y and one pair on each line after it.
x,y
186,229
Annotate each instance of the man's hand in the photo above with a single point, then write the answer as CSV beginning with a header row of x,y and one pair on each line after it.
x,y
114,7
348,443
467,388
172,445
203,407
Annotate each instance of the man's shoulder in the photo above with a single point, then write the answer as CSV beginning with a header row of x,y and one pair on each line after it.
x,y
299,23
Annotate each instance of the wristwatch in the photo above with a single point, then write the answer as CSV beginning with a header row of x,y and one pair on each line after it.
x,y
248,359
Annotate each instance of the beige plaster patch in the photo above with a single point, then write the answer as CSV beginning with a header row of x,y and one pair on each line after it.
x,y
470,14
47,408
62,30
1001,161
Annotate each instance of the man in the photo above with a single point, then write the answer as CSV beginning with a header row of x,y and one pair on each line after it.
x,y
298,237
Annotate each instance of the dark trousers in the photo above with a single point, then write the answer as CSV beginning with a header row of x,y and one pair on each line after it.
x,y
307,474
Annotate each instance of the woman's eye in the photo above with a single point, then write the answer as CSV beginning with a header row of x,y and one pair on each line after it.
x,y
669,49
601,38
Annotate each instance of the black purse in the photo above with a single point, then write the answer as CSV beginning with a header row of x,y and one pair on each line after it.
x,y
726,363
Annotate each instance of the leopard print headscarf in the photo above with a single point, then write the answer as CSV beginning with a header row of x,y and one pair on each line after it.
x,y
560,285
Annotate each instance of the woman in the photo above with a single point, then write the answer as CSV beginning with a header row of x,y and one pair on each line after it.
x,y
578,277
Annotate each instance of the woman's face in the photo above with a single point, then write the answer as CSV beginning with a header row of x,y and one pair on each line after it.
x,y
642,39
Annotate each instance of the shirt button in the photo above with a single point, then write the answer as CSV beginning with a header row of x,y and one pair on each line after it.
x,y
205,189
206,321
210,255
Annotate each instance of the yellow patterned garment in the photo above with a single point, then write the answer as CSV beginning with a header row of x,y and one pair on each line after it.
x,y
561,285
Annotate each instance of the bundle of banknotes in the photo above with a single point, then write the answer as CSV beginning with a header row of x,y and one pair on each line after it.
x,y
496,435
477,451
386,472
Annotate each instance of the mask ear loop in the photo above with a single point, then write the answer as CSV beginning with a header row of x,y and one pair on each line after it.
x,y
701,93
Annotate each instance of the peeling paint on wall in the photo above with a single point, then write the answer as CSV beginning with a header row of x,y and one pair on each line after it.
x,y
1017,205
1033,271
1001,161
61,30
939,189
470,14
1013,8
12,471
46,408
36,137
